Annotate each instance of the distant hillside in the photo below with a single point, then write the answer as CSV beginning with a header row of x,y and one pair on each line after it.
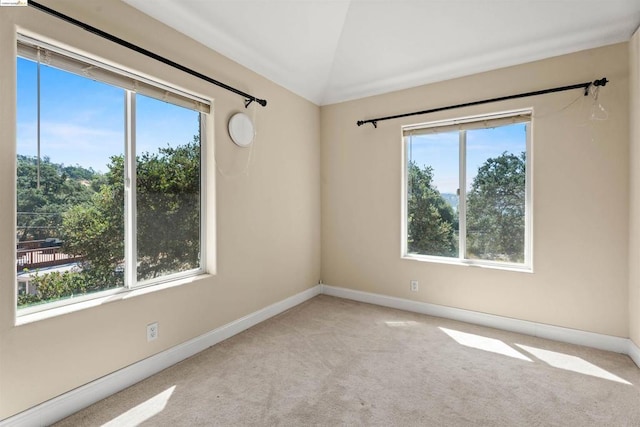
x,y
75,172
46,190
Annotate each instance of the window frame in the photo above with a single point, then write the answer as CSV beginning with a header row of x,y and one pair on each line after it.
x,y
149,87
460,123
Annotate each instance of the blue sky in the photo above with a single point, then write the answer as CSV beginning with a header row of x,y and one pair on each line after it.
x,y
441,152
82,121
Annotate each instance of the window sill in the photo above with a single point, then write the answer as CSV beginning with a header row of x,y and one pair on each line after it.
x,y
103,298
520,268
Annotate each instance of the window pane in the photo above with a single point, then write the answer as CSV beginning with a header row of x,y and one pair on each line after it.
x,y
432,200
496,161
167,188
70,200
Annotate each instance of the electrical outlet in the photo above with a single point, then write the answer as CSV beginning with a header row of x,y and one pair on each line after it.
x,y
414,286
152,331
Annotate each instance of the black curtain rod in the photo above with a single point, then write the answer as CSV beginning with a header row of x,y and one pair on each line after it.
x,y
249,98
601,82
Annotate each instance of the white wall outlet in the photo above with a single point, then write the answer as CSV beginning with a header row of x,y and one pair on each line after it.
x,y
414,286
152,331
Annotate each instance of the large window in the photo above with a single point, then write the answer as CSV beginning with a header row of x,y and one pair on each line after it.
x,y
468,190
109,182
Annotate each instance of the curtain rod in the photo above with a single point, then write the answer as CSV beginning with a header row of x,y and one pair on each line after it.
x,y
601,82
248,98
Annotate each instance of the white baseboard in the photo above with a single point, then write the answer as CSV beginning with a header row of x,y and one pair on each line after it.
x,y
634,352
556,333
64,405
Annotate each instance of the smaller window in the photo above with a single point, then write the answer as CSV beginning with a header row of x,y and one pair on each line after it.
x,y
468,192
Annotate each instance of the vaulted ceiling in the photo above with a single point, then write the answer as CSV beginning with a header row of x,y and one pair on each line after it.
x,y
329,51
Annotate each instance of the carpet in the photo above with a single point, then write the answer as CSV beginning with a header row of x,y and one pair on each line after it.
x,y
331,361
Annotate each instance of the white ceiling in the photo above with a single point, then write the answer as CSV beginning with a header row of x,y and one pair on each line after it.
x,y
329,51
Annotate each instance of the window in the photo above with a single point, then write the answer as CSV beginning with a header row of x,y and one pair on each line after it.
x,y
468,192
109,182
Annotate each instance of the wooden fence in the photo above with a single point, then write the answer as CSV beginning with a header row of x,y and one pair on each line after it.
x,y
32,258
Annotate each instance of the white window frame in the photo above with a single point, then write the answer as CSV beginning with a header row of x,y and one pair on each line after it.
x,y
131,83
500,117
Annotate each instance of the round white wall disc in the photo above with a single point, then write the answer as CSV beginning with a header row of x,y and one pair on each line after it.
x,y
241,129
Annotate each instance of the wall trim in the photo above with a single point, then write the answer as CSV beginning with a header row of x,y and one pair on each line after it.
x,y
556,333
634,352
71,402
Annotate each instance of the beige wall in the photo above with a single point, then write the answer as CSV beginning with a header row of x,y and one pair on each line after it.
x,y
634,231
311,164
268,220
580,182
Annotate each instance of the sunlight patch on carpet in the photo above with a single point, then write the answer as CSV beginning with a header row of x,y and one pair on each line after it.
x,y
484,343
401,323
571,363
143,411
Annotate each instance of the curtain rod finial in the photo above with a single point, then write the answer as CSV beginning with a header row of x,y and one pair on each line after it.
x,y
602,82
248,102
373,122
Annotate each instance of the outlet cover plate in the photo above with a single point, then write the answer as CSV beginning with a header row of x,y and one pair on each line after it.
x,y
152,331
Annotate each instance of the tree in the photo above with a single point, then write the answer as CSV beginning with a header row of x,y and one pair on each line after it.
x,y
431,221
40,208
496,209
40,211
167,220
92,218
53,286
95,230
168,210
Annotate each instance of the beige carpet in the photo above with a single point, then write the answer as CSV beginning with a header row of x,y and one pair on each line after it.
x,y
337,362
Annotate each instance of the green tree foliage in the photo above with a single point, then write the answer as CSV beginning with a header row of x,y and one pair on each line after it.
x,y
40,212
168,223
431,221
53,286
95,230
78,172
496,209
40,208
168,212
